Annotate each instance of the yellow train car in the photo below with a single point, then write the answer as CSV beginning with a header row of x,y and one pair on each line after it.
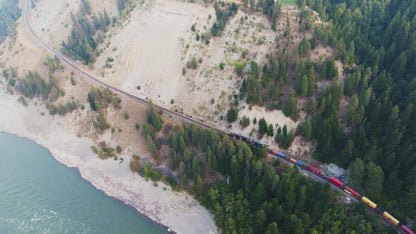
x,y
368,202
390,218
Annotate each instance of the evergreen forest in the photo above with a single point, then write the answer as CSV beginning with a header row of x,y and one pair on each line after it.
x,y
375,136
9,13
246,190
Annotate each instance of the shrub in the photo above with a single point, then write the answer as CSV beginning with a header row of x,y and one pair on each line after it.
x,y
232,115
245,121
118,149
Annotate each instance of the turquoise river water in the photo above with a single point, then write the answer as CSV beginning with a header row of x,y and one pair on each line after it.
x,y
40,195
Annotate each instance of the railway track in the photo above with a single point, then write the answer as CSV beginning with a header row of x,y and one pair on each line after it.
x,y
94,80
137,99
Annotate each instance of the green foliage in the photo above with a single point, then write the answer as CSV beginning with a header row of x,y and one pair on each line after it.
x,y
151,146
262,126
245,121
270,130
23,101
239,67
73,81
81,44
304,47
305,78
374,179
135,164
100,99
53,64
125,6
101,122
9,14
153,117
284,138
356,171
291,107
232,115
257,199
86,6
33,85
126,115
266,90
307,128
329,70
380,119
61,109
193,64
223,16
104,151
118,148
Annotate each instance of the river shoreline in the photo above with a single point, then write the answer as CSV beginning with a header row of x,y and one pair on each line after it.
x,y
178,212
75,169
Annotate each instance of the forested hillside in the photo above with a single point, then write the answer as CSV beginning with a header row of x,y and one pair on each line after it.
x,y
89,30
378,141
374,135
9,13
246,191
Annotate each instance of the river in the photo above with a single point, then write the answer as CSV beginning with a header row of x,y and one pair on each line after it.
x,y
40,195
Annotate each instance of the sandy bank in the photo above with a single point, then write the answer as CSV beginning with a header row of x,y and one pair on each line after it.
x,y
180,212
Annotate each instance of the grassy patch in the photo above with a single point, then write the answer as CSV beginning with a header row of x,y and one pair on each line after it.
x,y
288,2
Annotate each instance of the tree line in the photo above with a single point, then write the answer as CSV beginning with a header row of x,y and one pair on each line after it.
x,y
380,121
376,43
86,34
9,14
245,191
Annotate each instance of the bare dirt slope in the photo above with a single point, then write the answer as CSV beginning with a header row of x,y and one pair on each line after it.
x,y
156,43
151,48
69,137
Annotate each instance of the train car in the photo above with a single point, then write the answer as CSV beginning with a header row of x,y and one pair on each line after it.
x,y
299,163
292,160
390,219
351,192
336,182
314,170
280,155
368,202
275,152
406,230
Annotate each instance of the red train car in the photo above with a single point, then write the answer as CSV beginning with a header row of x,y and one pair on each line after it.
x,y
406,230
351,192
335,182
275,152
314,170
292,160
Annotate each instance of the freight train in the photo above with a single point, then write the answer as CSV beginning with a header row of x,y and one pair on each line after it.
x,y
370,204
